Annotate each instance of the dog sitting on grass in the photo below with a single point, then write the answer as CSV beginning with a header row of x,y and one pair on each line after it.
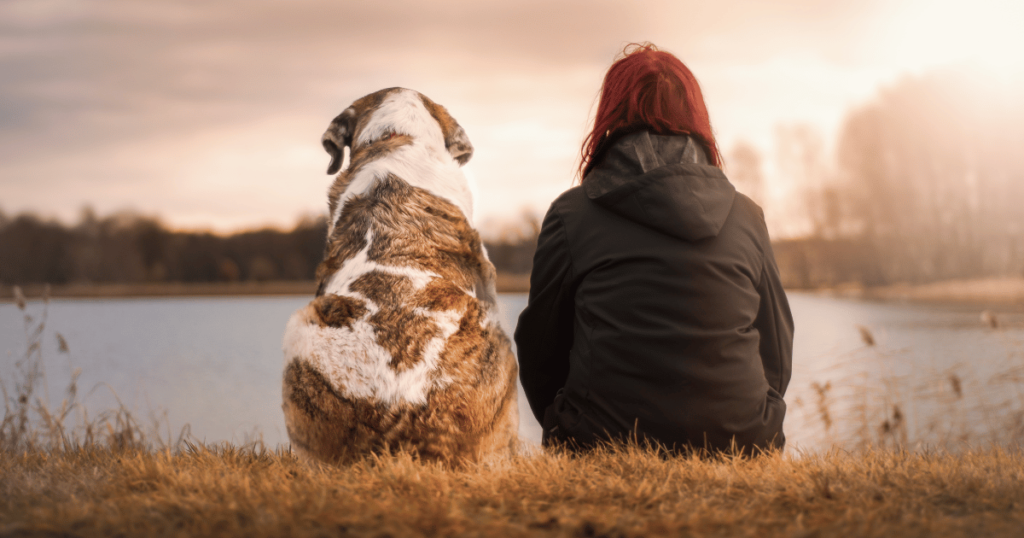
x,y
401,349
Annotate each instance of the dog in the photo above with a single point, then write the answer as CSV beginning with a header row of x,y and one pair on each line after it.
x,y
401,349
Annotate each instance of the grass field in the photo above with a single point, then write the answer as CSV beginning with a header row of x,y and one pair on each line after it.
x,y
233,491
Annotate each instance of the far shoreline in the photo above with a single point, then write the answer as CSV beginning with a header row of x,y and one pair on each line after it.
x,y
1001,292
505,284
996,292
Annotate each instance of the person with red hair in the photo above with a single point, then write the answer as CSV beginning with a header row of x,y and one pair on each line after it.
x,y
656,312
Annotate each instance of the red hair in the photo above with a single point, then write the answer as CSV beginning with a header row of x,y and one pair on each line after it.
x,y
648,89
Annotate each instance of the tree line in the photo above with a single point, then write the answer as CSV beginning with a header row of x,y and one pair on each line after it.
x,y
130,248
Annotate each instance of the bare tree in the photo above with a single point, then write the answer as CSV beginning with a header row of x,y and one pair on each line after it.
x,y
746,172
802,157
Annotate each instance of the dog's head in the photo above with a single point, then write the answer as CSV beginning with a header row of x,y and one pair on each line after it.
x,y
394,112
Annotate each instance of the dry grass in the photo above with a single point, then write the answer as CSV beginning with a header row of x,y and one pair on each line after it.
x,y
63,473
205,491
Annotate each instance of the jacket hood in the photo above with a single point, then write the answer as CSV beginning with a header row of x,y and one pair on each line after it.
x,y
662,182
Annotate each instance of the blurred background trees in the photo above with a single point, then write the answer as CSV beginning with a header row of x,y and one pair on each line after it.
x,y
130,248
933,178
928,185
746,171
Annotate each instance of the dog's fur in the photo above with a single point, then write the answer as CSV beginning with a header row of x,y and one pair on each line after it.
x,y
401,348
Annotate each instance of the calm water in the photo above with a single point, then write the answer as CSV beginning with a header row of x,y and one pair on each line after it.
x,y
215,364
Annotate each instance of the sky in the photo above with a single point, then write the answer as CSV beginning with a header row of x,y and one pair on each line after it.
x,y
208,115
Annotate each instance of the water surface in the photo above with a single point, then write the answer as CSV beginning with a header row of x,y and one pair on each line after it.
x,y
215,363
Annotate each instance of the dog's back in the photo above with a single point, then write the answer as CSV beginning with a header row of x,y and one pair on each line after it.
x,y
401,348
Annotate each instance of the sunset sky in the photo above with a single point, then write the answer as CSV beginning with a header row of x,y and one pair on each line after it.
x,y
209,114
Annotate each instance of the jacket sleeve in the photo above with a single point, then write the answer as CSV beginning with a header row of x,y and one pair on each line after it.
x,y
774,323
544,333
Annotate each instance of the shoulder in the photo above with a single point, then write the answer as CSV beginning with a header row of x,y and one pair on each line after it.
x,y
748,208
564,219
750,214
574,208
569,201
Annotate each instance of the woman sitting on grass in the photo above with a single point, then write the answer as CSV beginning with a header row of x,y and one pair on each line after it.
x,y
655,309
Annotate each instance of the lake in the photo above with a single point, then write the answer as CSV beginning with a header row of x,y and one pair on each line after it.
x,y
215,364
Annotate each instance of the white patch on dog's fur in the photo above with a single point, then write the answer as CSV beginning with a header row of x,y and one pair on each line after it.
x,y
357,367
360,264
424,163
403,112
351,359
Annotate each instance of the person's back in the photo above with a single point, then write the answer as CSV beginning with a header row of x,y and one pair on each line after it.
x,y
655,306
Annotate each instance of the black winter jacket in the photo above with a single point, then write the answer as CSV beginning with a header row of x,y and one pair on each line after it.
x,y
655,307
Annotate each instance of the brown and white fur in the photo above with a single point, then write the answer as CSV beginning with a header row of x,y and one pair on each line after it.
x,y
401,348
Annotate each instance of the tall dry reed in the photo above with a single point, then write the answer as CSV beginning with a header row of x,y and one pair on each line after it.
x,y
860,402
32,421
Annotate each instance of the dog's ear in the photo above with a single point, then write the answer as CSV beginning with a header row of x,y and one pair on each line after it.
x,y
458,144
455,139
337,136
